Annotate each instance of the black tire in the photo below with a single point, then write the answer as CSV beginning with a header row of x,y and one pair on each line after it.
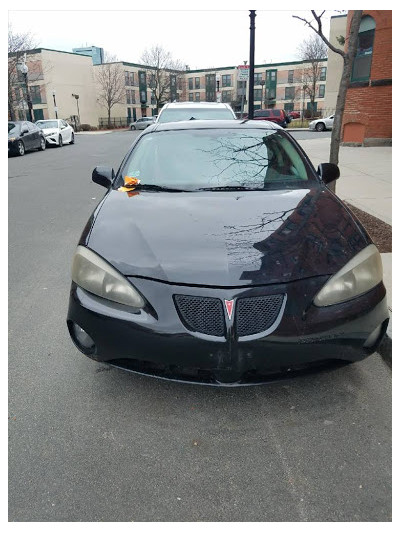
x,y
320,126
60,141
42,146
20,148
133,128
72,141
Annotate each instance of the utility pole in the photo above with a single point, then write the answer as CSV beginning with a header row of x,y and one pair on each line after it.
x,y
243,93
24,71
251,79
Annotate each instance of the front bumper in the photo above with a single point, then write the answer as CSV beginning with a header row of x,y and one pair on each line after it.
x,y
52,140
154,341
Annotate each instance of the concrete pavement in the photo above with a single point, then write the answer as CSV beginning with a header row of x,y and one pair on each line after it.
x,y
366,175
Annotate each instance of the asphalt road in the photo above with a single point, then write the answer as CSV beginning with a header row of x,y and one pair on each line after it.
x,y
92,443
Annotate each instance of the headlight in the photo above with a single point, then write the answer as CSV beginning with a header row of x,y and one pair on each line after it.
x,y
48,134
361,274
12,139
95,275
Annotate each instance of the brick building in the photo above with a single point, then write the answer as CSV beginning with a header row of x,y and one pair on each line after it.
x,y
367,116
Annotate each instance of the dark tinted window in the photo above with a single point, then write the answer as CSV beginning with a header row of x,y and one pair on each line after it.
x,y
276,112
204,158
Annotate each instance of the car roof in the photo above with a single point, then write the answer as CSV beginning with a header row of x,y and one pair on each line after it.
x,y
178,105
214,125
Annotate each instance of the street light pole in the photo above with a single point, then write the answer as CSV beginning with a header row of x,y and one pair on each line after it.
x,y
262,92
24,70
55,105
251,79
76,96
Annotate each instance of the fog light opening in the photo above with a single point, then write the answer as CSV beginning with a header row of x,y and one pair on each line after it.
x,y
83,340
376,336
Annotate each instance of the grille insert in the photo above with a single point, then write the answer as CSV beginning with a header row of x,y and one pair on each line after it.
x,y
257,314
201,314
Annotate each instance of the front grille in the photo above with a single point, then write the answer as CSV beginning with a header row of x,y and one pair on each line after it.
x,y
204,315
257,314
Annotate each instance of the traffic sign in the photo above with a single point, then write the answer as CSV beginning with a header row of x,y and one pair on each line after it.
x,y
243,72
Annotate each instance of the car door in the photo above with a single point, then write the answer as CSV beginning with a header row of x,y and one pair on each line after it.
x,y
65,133
35,135
27,136
329,121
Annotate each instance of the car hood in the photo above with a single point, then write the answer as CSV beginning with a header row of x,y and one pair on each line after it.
x,y
49,130
226,239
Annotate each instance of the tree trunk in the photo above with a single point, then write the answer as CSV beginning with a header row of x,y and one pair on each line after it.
x,y
109,117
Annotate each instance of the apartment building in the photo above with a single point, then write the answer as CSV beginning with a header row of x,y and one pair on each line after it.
x,y
55,78
280,85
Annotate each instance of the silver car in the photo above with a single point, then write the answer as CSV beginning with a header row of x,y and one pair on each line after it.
x,y
177,111
142,123
322,124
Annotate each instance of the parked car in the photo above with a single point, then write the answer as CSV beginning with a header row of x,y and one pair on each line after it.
x,y
219,255
294,114
57,132
322,124
278,116
23,136
142,123
177,111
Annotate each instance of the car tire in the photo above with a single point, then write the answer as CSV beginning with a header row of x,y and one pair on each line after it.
x,y
42,146
72,141
320,126
60,141
133,128
20,148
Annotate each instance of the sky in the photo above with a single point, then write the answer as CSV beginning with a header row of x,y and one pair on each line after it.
x,y
200,39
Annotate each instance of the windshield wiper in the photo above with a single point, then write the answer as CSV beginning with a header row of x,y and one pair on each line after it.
x,y
230,188
153,187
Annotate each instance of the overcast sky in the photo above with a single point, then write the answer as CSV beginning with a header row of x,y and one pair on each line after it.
x,y
200,39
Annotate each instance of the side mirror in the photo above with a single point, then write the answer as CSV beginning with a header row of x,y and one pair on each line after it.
x,y
103,176
328,172
24,130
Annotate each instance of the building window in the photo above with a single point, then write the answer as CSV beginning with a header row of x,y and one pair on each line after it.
x,y
257,78
190,84
322,76
321,92
290,76
129,78
226,96
289,93
226,80
190,97
288,107
130,96
197,83
258,95
362,61
35,94
197,97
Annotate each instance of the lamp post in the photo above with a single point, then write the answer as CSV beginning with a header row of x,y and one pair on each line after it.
x,y
24,71
262,83
218,79
55,105
76,96
251,79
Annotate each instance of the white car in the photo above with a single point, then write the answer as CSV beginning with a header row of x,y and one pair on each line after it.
x,y
177,111
56,132
322,124
142,123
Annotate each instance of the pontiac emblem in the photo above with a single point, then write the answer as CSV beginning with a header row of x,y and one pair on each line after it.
x,y
229,308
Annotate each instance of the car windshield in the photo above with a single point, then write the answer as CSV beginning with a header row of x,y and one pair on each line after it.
x,y
217,159
47,124
176,115
13,128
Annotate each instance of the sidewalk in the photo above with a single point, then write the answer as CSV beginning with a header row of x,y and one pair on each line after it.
x,y
365,175
365,182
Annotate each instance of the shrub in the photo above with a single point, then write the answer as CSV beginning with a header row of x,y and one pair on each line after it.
x,y
86,127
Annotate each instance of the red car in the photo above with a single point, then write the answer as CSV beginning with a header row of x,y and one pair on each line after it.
x,y
278,116
294,114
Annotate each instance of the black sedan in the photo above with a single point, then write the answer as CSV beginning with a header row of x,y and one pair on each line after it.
x,y
219,255
24,136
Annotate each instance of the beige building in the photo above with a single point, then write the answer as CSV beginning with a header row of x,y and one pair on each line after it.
x,y
335,61
53,78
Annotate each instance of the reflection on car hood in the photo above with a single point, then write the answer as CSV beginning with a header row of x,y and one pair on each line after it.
x,y
225,238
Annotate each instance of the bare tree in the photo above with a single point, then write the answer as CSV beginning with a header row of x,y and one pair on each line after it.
x,y
111,81
163,70
18,44
348,58
314,51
